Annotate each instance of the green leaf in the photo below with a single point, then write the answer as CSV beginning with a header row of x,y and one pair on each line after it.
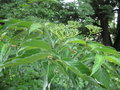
x,y
77,72
82,68
29,52
94,45
3,52
101,48
4,49
108,50
61,68
14,23
76,41
1,45
34,27
113,59
23,23
99,60
51,71
38,44
71,67
103,77
26,60
78,65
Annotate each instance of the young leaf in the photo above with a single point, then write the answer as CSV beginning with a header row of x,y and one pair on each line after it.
x,y
99,60
113,59
108,50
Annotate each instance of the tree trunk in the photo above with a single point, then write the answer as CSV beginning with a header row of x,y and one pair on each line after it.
x,y
105,33
117,38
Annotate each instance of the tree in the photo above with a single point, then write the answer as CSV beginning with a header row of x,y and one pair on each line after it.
x,y
61,57
104,13
117,38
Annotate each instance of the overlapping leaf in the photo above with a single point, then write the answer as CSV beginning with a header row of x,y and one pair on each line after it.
x,y
74,40
38,44
80,73
103,77
29,59
113,59
99,60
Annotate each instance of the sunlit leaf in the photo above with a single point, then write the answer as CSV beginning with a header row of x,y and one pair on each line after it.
x,y
108,50
94,45
34,27
113,59
76,41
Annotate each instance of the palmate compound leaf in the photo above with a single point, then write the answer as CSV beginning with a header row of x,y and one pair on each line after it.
x,y
80,72
37,44
99,60
29,59
103,77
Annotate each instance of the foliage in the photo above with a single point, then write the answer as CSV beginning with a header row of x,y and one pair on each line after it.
x,y
62,60
50,45
53,10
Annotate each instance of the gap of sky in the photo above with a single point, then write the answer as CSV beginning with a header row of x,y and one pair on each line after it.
x,y
68,0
